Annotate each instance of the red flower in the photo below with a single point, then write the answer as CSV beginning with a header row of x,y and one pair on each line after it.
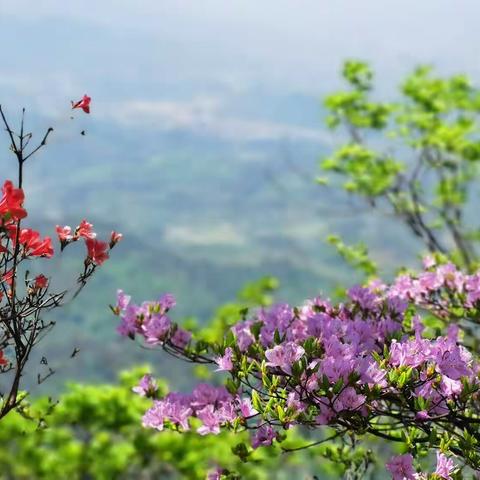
x,y
8,277
84,104
33,245
115,237
11,202
85,230
41,281
3,360
64,233
97,251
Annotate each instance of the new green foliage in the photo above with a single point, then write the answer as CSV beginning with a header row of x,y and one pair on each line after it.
x,y
94,431
417,154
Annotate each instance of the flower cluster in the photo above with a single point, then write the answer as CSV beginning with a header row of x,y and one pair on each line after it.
x,y
97,250
24,300
368,365
401,468
213,406
11,204
150,320
17,243
21,323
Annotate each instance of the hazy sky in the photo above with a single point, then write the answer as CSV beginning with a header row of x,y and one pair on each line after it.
x,y
290,43
201,54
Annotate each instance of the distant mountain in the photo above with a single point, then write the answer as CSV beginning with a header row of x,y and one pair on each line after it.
x,y
201,216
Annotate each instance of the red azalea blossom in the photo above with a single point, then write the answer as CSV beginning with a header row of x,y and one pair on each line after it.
x,y
41,281
33,245
3,360
85,230
11,202
84,104
8,277
64,233
97,251
115,237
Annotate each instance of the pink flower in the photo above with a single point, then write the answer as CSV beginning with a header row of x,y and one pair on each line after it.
x,y
450,387
452,363
147,386
210,419
450,276
154,417
473,288
422,416
174,407
122,300
401,467
428,262
215,474
225,362
156,328
284,356
293,402
326,414
349,399
167,301
363,296
246,408
181,337
418,327
445,466
372,374
336,367
263,436
243,335
205,394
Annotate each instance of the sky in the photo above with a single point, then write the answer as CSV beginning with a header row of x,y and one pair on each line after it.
x,y
174,61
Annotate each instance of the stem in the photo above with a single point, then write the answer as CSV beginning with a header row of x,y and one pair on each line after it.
x,y
319,442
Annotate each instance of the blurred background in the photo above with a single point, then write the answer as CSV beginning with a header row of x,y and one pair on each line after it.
x,y
202,146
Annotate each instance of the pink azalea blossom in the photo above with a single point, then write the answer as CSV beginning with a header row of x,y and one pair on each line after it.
x,y
284,356
263,436
445,466
224,362
401,467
